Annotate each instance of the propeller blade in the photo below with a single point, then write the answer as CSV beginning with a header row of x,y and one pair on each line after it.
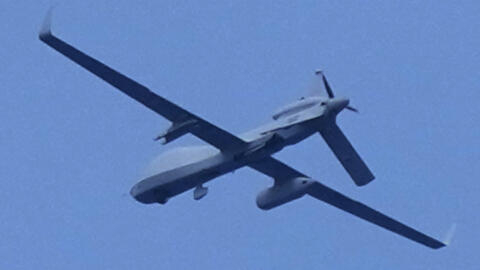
x,y
327,87
351,109
325,82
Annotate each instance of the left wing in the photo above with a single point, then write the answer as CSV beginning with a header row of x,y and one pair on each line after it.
x,y
204,130
280,171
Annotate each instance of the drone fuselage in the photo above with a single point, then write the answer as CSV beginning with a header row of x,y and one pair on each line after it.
x,y
292,124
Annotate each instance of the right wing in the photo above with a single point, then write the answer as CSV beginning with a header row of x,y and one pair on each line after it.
x,y
278,170
362,211
346,154
204,130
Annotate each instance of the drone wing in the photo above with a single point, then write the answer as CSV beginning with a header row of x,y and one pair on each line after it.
x,y
180,117
362,211
278,170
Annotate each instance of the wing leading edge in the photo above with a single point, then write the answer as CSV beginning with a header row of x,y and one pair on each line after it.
x,y
204,130
278,170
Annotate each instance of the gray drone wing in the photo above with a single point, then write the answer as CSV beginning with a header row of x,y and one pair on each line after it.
x,y
278,170
202,129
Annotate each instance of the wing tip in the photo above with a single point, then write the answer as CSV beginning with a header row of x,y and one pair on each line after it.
x,y
449,235
435,244
45,30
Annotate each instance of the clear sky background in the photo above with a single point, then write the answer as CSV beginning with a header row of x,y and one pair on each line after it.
x,y
72,146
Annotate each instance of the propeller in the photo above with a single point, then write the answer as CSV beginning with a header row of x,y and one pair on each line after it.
x,y
329,89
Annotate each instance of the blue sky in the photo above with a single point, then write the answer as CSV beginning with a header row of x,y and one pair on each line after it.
x,y
72,146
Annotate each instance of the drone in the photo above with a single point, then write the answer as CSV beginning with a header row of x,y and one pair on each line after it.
x,y
187,168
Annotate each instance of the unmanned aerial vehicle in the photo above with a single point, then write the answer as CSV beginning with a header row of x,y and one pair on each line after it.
x,y
191,167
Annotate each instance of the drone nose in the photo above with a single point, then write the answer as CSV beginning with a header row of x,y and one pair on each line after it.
x,y
338,104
